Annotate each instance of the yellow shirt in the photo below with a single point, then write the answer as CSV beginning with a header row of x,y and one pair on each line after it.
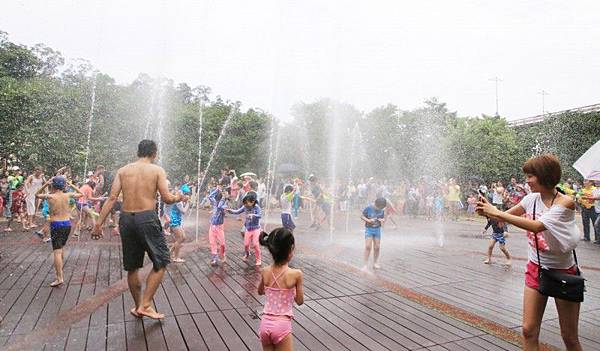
x,y
453,193
586,192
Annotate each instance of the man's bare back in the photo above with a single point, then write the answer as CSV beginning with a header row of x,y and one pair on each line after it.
x,y
140,181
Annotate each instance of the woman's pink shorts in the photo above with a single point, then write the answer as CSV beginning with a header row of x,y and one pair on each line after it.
x,y
531,274
273,329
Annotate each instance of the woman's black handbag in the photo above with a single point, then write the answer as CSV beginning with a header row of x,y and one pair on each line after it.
x,y
557,284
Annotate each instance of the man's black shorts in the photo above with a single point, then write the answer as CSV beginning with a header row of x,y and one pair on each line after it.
x,y
141,233
59,233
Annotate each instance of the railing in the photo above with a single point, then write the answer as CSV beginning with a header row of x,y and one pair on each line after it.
x,y
540,118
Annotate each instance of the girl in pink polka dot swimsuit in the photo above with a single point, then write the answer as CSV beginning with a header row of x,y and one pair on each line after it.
x,y
282,286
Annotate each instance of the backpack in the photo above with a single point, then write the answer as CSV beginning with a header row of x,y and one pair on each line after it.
x,y
108,180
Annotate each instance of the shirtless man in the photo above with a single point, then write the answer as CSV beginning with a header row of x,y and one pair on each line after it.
x,y
60,219
140,229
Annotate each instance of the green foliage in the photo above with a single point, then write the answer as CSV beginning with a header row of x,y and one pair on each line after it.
x,y
567,135
485,148
44,117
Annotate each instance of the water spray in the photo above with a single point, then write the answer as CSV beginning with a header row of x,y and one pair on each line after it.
x,y
89,137
197,202
352,152
273,155
214,150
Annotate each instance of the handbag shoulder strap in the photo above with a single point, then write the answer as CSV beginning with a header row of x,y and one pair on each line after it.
x,y
576,263
537,249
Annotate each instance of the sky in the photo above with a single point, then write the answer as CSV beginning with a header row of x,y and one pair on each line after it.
x,y
273,54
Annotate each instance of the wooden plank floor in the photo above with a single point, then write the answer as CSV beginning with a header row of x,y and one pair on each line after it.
x,y
210,308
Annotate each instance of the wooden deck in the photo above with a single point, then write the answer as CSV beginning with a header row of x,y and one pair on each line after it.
x,y
426,297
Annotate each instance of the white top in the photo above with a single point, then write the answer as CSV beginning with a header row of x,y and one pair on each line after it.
x,y
497,197
285,203
559,239
36,184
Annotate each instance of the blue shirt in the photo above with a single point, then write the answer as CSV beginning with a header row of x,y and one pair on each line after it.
x,y
218,216
371,212
253,222
176,214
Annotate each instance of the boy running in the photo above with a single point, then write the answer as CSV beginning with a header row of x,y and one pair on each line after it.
x,y
60,219
498,229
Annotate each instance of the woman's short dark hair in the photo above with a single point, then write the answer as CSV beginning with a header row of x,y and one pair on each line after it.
x,y
546,168
280,243
147,148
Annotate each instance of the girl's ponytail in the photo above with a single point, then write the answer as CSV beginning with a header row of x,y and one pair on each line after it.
x,y
280,243
263,239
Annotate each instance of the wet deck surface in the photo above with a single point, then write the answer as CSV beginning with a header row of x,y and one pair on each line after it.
x,y
426,296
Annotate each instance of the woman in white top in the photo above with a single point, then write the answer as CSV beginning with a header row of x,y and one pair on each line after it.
x,y
557,236
33,183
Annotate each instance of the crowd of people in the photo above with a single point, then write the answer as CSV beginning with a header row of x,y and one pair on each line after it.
x,y
126,202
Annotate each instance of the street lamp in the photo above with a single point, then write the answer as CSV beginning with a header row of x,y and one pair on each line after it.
x,y
496,80
543,93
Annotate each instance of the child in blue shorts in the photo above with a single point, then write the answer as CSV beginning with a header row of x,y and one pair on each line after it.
x,y
498,229
374,217
178,210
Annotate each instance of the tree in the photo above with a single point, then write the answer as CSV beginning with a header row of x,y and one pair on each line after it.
x,y
485,147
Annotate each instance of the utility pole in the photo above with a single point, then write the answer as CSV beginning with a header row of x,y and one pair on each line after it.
x,y
543,93
496,80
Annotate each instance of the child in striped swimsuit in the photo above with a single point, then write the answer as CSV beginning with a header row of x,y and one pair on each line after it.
x,y
282,286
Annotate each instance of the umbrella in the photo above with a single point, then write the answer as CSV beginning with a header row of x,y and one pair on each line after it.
x,y
589,163
247,174
287,168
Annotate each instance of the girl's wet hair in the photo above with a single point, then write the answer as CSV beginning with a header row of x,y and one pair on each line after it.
x,y
250,197
280,243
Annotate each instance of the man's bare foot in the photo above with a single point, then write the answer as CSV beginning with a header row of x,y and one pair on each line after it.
x,y
33,226
56,283
150,313
487,261
178,260
7,230
134,313
508,262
